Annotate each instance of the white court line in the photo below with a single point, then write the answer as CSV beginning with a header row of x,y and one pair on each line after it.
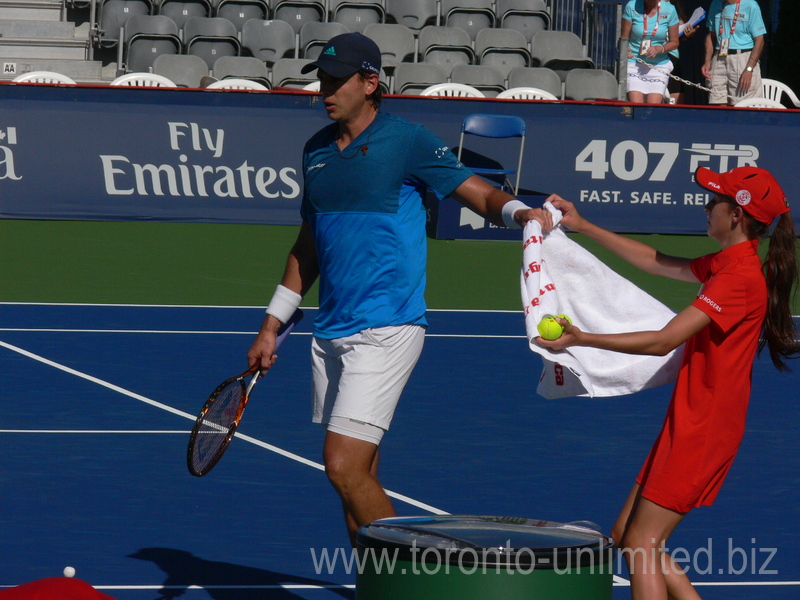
x,y
190,417
223,306
253,333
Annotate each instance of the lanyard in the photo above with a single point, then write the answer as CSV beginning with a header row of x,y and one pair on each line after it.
x,y
735,18
658,21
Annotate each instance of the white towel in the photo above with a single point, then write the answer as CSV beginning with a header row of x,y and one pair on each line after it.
x,y
560,276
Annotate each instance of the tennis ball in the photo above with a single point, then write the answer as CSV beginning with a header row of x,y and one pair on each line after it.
x,y
549,328
69,571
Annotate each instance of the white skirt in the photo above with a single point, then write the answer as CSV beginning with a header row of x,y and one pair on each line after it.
x,y
648,79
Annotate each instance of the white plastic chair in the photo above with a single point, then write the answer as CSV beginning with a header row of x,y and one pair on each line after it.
x,y
312,87
758,103
452,89
527,93
43,77
774,90
233,83
143,80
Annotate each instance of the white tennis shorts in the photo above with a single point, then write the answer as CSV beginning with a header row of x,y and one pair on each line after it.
x,y
358,379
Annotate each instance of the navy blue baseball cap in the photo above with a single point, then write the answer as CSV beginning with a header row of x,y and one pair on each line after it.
x,y
347,53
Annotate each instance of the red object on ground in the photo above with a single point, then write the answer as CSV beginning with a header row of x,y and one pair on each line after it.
x,y
53,588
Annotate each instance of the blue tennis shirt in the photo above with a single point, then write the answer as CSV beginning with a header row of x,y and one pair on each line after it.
x,y
365,209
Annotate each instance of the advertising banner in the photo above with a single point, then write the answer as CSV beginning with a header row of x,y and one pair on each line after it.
x,y
107,153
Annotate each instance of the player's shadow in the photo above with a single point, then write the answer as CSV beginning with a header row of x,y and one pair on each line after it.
x,y
225,581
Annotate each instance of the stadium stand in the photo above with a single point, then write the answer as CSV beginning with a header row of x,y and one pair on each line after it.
x,y
116,37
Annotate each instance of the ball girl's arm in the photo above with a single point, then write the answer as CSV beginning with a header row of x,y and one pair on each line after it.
x,y
638,254
684,325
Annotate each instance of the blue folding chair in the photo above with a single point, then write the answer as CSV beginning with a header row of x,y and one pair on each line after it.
x,y
495,126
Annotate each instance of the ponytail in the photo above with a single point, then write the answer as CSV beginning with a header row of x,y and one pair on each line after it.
x,y
780,270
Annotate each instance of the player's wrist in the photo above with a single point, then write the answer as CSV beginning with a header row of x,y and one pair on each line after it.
x,y
284,303
510,209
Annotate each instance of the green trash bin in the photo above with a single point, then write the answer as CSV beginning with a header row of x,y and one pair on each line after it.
x,y
478,558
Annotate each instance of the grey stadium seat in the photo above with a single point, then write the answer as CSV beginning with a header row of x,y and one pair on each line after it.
x,y
146,37
414,14
268,41
396,42
487,79
239,12
299,12
412,78
182,10
286,73
560,51
184,69
503,49
356,14
469,15
210,38
112,16
241,67
526,16
536,77
590,84
445,47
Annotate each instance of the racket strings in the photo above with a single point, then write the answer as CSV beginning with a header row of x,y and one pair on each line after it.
x,y
216,424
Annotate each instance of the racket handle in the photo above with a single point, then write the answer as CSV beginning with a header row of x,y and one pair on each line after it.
x,y
287,328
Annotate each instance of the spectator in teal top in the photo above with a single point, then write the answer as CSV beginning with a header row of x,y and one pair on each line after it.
x,y
651,29
733,49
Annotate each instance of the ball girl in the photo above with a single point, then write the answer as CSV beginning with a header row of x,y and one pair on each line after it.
x,y
740,300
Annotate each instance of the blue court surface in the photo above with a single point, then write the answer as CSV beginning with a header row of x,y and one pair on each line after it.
x,y
99,401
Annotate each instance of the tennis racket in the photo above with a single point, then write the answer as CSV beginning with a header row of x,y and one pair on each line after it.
x,y
220,416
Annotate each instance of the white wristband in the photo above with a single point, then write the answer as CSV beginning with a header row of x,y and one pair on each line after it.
x,y
509,209
284,303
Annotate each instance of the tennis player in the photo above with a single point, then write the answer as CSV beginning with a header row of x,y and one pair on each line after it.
x,y
706,418
363,235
